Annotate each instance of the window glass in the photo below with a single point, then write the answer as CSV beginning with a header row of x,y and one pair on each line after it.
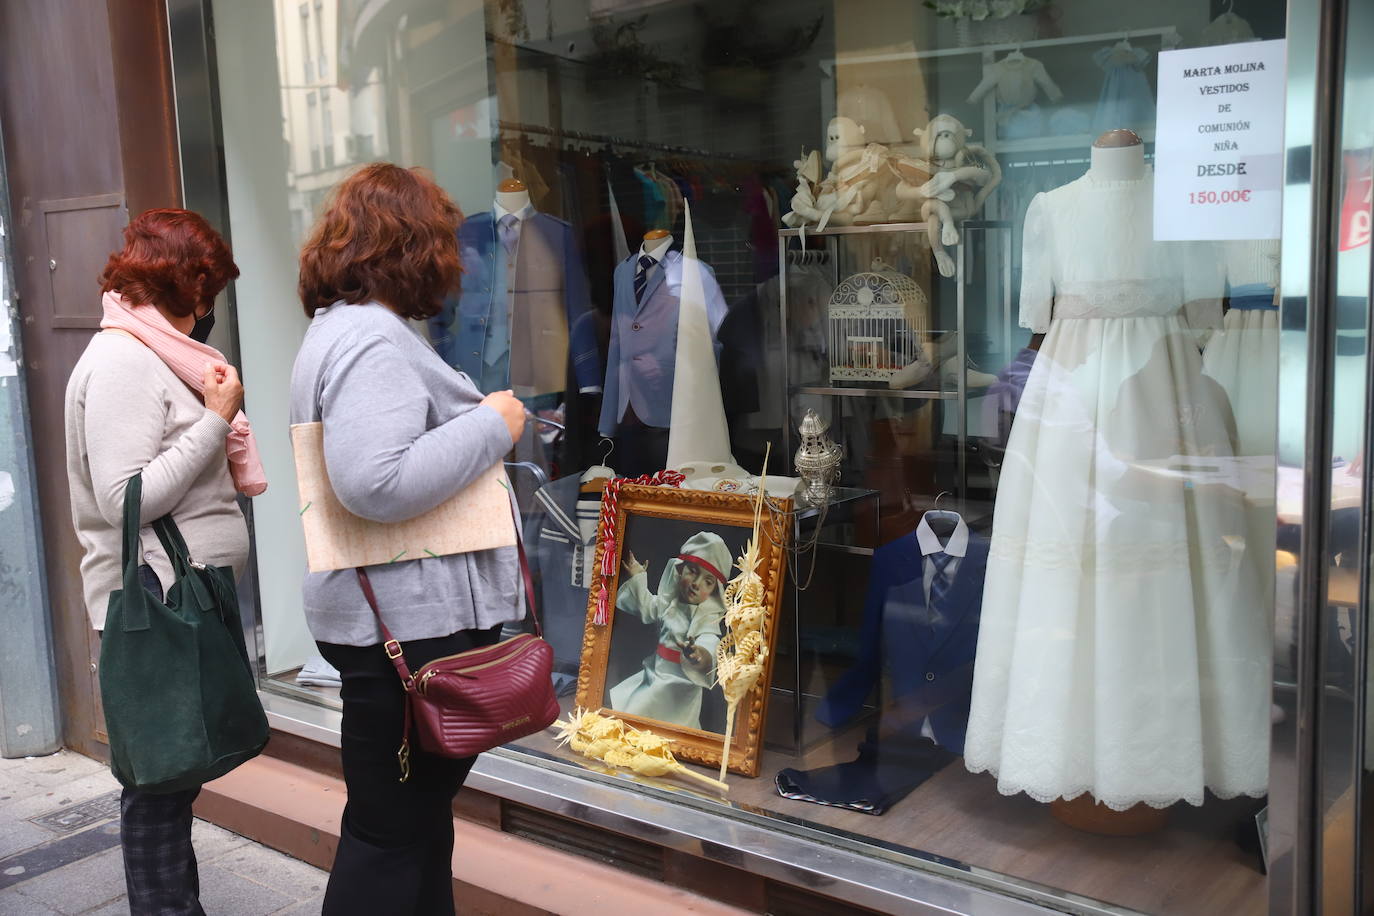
x,y
1016,260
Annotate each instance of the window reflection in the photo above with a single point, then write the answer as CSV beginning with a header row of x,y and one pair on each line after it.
x,y
581,138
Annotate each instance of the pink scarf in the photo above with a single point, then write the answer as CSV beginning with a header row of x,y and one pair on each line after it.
x,y
187,358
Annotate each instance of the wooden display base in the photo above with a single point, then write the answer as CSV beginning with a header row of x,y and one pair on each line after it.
x,y
1091,816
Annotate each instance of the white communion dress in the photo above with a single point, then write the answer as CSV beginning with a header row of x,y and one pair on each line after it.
x,y
1243,356
1123,651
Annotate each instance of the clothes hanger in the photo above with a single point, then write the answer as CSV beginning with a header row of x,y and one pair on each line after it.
x,y
1228,14
936,514
595,477
1015,54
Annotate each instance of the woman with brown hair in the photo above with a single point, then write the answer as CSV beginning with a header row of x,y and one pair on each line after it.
x,y
150,397
403,432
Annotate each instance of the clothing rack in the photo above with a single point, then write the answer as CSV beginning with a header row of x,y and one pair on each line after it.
x,y
799,256
564,134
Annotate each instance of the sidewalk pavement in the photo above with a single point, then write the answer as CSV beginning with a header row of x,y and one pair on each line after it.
x,y
59,850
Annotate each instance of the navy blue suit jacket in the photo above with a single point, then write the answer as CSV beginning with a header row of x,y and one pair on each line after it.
x,y
929,651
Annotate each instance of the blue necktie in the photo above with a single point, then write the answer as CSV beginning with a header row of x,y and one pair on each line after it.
x,y
940,583
642,278
510,231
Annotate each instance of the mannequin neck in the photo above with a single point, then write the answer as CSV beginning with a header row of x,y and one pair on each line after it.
x,y
513,201
1120,163
654,246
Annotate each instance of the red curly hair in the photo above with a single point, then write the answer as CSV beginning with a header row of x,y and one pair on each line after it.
x,y
389,236
172,259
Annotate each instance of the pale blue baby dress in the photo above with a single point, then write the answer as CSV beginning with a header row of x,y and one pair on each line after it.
x,y
1126,99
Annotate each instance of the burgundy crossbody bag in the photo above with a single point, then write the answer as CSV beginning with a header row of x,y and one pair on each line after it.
x,y
464,704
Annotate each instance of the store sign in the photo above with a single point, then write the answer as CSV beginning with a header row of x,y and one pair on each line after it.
x,y
1219,142
1356,199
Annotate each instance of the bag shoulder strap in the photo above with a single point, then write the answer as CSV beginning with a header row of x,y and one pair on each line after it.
x,y
390,643
393,646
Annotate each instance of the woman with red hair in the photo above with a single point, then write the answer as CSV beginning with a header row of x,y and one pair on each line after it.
x,y
150,397
403,432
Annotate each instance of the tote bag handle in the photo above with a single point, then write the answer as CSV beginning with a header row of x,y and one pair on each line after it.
x,y
138,601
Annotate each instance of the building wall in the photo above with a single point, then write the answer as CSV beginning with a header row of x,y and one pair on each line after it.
x,y
89,82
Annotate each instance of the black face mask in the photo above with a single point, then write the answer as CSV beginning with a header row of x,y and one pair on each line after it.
x,y
204,325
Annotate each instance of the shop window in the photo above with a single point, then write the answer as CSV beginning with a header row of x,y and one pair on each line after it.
x,y
977,246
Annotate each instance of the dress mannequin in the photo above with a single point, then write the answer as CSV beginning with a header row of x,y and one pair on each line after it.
x,y
1120,664
514,324
512,195
1118,155
641,364
655,240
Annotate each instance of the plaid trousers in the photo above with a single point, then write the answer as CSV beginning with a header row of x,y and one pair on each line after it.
x,y
155,833
159,863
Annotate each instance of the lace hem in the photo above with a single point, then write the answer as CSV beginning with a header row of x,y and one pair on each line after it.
x,y
1118,803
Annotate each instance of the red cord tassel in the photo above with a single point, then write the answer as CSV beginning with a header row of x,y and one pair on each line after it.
x,y
610,504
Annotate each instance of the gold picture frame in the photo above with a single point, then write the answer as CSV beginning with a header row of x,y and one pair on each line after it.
x,y
647,518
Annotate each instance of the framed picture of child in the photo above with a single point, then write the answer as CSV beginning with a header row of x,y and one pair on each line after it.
x,y
653,663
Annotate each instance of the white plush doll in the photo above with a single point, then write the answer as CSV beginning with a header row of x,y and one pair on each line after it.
x,y
961,176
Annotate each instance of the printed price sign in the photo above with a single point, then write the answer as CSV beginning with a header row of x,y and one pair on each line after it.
x,y
1219,142
1357,212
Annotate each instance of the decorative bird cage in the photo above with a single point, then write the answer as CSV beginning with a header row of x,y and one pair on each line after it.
x,y
876,320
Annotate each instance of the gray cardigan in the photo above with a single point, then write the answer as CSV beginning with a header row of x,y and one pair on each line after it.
x,y
403,432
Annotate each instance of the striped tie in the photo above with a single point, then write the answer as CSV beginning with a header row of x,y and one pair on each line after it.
x,y
939,583
642,277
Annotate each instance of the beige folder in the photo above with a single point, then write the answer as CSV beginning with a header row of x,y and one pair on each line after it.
x,y
478,518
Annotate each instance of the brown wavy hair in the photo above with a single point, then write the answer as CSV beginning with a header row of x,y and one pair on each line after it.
x,y
389,235
172,259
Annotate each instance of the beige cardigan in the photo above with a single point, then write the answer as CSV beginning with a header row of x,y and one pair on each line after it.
x,y
127,412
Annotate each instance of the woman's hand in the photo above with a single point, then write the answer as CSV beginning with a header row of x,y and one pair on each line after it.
x,y
511,410
633,566
223,390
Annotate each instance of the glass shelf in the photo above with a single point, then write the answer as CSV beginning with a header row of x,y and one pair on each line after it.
x,y
878,393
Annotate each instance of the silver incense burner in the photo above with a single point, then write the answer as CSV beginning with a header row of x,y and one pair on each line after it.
x,y
817,460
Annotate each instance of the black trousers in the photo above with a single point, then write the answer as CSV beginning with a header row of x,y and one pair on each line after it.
x,y
396,840
639,449
155,833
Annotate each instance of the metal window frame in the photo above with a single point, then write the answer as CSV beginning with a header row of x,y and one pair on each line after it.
x,y
1316,32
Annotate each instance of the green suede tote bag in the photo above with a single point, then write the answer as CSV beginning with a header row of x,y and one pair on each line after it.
x,y
181,705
